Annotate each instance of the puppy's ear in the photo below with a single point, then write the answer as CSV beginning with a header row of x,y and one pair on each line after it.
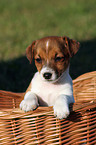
x,y
71,45
29,51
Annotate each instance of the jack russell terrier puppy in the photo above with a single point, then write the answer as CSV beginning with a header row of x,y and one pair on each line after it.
x,y
52,84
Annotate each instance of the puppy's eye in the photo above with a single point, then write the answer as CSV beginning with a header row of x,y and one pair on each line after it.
x,y
58,58
39,60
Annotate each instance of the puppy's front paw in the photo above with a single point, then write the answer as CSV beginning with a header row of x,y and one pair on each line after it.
x,y
61,111
29,104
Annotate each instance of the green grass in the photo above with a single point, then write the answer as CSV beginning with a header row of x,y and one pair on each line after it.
x,y
22,21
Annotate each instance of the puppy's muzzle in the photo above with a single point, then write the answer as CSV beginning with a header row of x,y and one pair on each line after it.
x,y
47,75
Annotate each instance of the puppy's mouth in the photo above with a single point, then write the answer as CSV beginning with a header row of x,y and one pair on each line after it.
x,y
48,74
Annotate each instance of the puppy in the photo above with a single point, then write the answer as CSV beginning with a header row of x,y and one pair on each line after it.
x,y
52,84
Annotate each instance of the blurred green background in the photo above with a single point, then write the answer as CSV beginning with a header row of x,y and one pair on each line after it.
x,y
22,21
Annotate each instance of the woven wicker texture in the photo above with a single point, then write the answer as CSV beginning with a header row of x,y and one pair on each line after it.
x,y
41,127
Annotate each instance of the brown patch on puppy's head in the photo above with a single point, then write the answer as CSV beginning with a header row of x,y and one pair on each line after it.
x,y
52,55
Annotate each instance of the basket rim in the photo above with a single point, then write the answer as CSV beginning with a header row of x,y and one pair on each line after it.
x,y
17,113
85,76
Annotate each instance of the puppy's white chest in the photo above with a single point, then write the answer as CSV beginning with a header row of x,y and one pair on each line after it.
x,y
48,92
45,91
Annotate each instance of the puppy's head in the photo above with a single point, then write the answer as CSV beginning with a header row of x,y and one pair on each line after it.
x,y
52,55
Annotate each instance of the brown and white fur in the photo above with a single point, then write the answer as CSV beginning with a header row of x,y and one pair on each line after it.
x,y
52,84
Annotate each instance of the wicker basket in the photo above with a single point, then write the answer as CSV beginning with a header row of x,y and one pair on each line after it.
x,y
41,127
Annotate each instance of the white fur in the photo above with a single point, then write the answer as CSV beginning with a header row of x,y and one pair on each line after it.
x,y
46,69
30,102
47,44
58,94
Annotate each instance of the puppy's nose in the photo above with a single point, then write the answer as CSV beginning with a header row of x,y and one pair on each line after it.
x,y
47,75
